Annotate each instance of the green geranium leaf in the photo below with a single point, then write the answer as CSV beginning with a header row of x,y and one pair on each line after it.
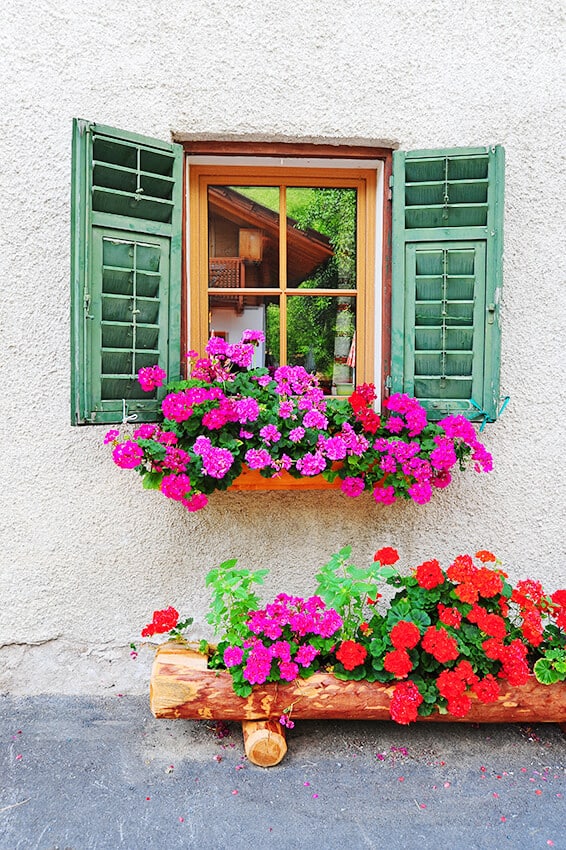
x,y
426,709
545,672
152,480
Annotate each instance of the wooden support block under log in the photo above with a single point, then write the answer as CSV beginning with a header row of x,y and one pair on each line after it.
x,y
264,741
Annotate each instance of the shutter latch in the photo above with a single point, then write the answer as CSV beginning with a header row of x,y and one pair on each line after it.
x,y
125,416
491,313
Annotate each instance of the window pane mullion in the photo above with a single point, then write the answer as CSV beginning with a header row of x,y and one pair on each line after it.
x,y
283,273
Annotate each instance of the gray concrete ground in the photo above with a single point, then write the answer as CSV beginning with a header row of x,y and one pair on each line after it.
x,y
102,774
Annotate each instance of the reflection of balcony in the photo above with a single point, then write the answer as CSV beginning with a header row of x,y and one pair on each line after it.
x,y
227,273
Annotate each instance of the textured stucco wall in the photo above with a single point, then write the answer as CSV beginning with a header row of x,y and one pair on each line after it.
x,y
85,554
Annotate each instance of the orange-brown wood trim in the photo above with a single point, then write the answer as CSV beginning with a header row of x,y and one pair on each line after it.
x,y
198,321
386,276
283,149
184,366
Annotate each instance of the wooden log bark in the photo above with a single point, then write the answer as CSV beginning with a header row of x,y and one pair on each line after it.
x,y
264,741
182,687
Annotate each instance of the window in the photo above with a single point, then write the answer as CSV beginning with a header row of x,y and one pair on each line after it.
x,y
288,250
296,241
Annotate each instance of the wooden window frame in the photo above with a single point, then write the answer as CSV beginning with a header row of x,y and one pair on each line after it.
x,y
198,175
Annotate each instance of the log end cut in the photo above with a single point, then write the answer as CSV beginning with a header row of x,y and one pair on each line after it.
x,y
264,742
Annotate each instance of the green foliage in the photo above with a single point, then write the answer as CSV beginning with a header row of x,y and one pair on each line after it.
x,y
232,598
178,633
551,667
346,588
152,480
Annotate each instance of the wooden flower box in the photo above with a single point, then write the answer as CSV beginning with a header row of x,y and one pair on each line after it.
x,y
251,479
182,687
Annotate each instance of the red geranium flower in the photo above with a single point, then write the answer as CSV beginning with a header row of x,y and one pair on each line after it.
x,y
487,582
528,594
462,569
386,556
467,592
369,420
405,702
559,598
486,689
515,667
493,648
559,613
485,556
532,628
440,644
429,574
163,621
459,706
357,402
351,654
398,662
491,624
466,672
366,391
449,616
450,685
405,635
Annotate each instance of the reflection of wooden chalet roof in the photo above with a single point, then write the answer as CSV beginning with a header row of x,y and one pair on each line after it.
x,y
306,249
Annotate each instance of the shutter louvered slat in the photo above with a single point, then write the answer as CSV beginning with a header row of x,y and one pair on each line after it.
x,y
446,211
443,373
132,331
132,225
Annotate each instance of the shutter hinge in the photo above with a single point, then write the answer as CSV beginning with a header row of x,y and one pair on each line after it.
x,y
388,385
390,193
83,126
86,304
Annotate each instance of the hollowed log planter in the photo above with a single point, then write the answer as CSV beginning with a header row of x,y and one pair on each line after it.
x,y
182,687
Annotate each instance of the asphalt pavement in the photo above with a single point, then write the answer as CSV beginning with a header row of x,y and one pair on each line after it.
x,y
84,773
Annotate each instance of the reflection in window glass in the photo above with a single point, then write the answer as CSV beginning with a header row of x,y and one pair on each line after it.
x,y
321,238
243,236
244,239
321,337
251,313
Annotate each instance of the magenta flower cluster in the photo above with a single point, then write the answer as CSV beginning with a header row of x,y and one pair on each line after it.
x,y
151,377
227,414
285,640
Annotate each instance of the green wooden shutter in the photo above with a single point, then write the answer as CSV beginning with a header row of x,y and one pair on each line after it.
x,y
126,270
446,278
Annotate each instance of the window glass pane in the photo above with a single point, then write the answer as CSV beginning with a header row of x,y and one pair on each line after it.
x,y
321,238
321,337
243,236
250,312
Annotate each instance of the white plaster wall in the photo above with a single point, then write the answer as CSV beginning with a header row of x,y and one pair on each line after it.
x,y
85,554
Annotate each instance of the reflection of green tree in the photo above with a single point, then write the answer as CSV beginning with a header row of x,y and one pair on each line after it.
x,y
332,212
311,321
